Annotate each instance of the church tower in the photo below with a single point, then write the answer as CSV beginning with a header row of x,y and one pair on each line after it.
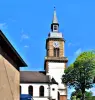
x,y
55,60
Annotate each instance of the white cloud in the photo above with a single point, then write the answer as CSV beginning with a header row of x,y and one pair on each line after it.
x,y
22,31
12,20
72,44
24,36
26,46
3,26
76,54
70,90
93,90
69,44
78,51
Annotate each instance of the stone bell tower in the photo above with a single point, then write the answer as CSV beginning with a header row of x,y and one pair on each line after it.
x,y
55,60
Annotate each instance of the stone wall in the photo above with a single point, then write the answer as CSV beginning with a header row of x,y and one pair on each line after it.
x,y
50,48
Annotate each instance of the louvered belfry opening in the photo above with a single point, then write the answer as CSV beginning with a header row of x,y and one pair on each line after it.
x,y
56,52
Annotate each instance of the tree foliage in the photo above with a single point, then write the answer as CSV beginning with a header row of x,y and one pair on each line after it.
x,y
81,73
78,94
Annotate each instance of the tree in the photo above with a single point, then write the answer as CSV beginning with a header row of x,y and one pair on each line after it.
x,y
73,98
88,94
78,94
81,73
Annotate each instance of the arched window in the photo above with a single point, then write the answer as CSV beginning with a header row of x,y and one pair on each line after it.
x,y
55,27
41,91
30,90
20,89
56,52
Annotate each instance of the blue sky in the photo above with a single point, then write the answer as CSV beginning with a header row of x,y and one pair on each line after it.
x,y
26,23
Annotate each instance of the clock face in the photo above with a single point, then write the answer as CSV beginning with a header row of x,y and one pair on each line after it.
x,y
56,44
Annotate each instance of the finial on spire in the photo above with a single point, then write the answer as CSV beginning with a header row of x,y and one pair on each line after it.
x,y
54,16
54,8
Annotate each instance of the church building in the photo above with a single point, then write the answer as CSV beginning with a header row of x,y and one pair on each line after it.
x,y
47,85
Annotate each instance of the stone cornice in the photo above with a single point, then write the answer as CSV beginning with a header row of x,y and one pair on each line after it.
x,y
55,39
59,59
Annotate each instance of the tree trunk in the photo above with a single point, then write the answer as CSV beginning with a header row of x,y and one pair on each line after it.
x,y
83,94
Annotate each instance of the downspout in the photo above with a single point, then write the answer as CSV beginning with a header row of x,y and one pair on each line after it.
x,y
49,87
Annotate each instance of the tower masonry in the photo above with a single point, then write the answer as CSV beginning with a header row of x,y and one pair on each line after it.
x,y
55,60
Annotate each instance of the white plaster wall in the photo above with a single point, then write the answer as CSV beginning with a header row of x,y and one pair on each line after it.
x,y
62,92
35,89
54,94
36,86
56,70
41,98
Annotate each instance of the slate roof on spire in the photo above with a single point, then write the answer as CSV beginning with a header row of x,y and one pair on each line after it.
x,y
54,17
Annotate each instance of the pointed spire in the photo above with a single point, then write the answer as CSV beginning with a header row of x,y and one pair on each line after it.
x,y
54,17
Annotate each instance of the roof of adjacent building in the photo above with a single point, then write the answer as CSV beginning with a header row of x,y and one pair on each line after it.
x,y
53,81
10,51
33,77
